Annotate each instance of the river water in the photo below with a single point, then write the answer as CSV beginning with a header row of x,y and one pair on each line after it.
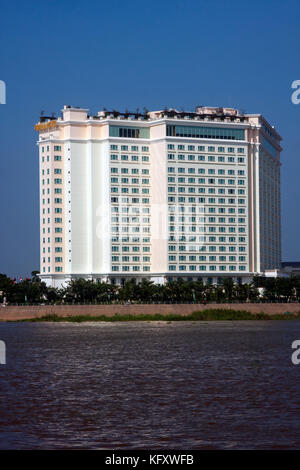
x,y
152,385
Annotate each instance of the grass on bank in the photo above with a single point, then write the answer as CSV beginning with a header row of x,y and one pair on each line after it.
x,y
204,315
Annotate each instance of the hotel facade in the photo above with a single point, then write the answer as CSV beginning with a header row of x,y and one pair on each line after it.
x,y
159,195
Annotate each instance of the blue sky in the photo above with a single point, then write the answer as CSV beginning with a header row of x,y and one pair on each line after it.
x,y
129,54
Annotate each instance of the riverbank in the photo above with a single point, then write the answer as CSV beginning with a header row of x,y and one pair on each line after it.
x,y
205,315
140,312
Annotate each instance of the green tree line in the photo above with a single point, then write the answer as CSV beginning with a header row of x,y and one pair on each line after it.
x,y
81,291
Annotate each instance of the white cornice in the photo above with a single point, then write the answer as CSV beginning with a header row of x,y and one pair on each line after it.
x,y
154,122
147,141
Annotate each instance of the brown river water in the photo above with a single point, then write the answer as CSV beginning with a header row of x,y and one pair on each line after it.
x,y
150,385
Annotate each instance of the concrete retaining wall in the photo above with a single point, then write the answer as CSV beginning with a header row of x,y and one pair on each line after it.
x,y
26,312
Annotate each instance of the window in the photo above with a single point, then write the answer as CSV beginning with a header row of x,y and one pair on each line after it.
x,y
129,132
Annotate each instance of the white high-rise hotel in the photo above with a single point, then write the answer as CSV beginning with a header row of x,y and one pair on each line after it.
x,y
160,195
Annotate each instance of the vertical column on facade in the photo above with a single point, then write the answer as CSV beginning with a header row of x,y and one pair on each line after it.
x,y
256,207
67,210
159,209
89,208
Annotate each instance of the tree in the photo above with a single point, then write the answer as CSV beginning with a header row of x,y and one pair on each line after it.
x,y
33,292
229,288
34,275
6,287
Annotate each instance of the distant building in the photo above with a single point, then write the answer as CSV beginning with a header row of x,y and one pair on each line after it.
x,y
291,267
159,195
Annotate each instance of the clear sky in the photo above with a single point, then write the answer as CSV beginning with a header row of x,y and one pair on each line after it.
x,y
128,54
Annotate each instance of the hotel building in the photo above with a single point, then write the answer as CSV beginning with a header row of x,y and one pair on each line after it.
x,y
159,195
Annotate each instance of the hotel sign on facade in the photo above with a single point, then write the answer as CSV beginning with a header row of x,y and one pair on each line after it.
x,y
44,126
